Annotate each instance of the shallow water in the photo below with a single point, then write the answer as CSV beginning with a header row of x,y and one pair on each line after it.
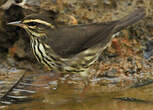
x,y
66,97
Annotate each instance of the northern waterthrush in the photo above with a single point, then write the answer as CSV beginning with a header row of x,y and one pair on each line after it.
x,y
71,49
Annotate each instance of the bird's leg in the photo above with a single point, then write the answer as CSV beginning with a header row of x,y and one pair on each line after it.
x,y
85,79
53,75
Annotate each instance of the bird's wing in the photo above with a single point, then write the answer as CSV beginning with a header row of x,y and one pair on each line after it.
x,y
68,41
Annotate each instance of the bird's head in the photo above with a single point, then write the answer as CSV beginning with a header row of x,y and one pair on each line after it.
x,y
35,24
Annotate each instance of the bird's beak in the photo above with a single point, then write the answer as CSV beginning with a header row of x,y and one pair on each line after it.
x,y
17,23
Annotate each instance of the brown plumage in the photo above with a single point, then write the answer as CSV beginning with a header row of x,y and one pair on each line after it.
x,y
72,48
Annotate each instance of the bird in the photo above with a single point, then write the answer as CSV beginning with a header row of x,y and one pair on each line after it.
x,y
71,49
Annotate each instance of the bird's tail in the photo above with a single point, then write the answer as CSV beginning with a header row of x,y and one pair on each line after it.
x,y
130,19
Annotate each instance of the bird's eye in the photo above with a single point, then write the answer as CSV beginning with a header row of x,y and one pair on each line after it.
x,y
31,24
18,1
